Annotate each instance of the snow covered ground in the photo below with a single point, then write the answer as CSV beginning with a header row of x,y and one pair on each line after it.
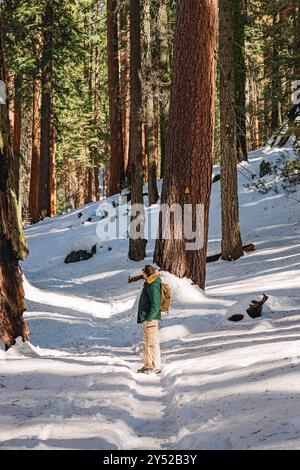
x,y
224,385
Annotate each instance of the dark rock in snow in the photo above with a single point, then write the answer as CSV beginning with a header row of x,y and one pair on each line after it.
x,y
265,169
76,256
80,255
236,317
216,178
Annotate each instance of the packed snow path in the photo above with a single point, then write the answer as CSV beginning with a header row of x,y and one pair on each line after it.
x,y
92,378
223,386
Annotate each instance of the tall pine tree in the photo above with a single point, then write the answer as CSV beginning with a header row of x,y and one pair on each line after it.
x,y
46,110
137,242
117,165
231,237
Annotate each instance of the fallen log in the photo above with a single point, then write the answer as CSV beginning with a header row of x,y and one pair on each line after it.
x,y
247,248
255,308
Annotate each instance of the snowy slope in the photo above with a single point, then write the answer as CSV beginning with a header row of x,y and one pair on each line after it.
x,y
224,385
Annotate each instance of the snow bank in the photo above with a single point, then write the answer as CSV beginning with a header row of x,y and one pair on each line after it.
x,y
18,350
183,290
22,349
71,302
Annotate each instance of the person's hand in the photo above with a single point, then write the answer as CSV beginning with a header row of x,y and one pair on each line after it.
x,y
135,278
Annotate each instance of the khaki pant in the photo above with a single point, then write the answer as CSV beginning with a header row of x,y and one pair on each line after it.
x,y
152,359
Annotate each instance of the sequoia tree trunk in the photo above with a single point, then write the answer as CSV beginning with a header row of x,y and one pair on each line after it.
x,y
190,140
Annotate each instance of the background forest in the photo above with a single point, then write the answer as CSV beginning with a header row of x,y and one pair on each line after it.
x,y
190,111
69,71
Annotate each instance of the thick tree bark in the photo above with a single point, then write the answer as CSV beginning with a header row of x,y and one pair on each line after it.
x,y
46,112
13,245
231,238
190,137
116,137
149,105
239,12
136,245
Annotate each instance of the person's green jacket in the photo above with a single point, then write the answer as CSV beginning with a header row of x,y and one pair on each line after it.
x,y
150,303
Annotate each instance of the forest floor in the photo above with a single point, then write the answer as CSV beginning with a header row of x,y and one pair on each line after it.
x,y
224,385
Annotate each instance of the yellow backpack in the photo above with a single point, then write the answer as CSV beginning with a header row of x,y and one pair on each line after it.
x,y
165,297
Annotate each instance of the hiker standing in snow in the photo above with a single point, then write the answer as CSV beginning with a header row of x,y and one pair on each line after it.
x,y
149,314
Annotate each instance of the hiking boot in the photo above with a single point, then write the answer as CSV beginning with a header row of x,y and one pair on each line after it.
x,y
142,370
153,371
